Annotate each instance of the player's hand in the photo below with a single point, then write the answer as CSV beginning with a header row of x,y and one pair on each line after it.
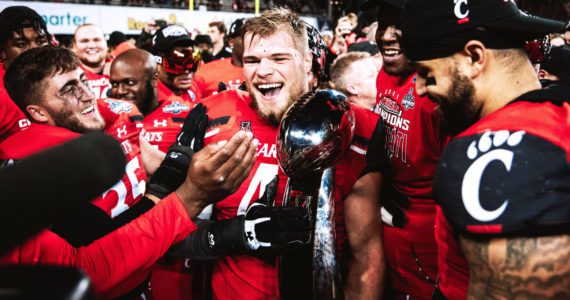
x,y
275,228
217,171
343,27
173,169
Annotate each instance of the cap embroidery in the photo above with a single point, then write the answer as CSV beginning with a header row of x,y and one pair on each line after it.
x,y
462,16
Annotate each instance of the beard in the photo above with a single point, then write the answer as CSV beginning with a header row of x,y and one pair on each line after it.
x,y
459,110
67,120
146,106
274,116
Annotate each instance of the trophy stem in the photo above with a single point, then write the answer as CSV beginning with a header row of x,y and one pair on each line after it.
x,y
326,276
312,272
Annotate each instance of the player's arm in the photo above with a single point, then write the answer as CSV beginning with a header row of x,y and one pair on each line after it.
x,y
215,172
518,267
264,229
365,278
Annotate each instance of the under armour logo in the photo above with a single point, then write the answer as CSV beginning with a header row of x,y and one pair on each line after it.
x,y
122,131
162,123
483,154
211,240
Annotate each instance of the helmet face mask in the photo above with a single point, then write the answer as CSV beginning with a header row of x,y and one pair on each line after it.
x,y
318,48
178,61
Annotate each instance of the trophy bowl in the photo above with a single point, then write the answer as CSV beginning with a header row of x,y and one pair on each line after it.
x,y
314,133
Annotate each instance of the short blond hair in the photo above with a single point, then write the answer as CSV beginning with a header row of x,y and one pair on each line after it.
x,y
276,19
341,64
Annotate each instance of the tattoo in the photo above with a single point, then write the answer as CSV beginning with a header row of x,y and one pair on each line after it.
x,y
518,268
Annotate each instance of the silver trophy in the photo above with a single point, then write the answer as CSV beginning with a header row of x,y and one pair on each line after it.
x,y
313,136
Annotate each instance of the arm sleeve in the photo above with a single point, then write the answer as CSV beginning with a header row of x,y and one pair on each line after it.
x,y
91,223
113,260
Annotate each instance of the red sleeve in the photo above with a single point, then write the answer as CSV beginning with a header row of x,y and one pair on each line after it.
x,y
112,261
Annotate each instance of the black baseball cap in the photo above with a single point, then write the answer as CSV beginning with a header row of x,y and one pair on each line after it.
x,y
366,46
435,28
203,39
235,28
169,37
15,17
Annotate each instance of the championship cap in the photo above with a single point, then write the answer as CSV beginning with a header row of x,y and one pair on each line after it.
x,y
366,46
235,28
439,28
169,37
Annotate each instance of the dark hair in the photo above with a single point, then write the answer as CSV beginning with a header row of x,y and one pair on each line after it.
x,y
16,18
24,78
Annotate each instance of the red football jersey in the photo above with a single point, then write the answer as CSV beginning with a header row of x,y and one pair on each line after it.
x,y
163,124
208,77
12,119
123,121
171,280
413,146
98,84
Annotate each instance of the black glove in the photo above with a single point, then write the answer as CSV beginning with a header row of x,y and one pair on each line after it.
x,y
172,171
263,230
267,227
222,87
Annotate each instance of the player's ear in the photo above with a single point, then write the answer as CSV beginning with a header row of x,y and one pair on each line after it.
x,y
352,89
308,61
477,56
38,114
154,80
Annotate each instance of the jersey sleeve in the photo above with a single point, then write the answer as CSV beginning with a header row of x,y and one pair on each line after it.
x,y
114,260
505,183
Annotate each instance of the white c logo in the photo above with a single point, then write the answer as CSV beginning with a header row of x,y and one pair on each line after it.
x,y
457,9
472,181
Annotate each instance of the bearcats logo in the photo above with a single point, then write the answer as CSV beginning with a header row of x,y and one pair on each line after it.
x,y
175,108
472,179
457,10
119,107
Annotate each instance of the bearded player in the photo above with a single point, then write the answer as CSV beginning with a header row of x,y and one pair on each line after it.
x,y
508,206
277,68
49,85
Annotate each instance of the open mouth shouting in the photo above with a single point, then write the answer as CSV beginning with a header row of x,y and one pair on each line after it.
x,y
269,90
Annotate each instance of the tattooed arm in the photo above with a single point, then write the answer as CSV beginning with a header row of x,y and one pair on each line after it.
x,y
518,268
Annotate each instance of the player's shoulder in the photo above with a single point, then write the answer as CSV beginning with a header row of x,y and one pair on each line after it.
x,y
508,174
35,138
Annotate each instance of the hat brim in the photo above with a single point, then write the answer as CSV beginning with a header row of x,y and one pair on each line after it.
x,y
368,4
529,26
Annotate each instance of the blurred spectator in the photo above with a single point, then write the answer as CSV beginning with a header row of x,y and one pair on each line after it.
x,y
222,74
354,74
118,44
217,32
204,43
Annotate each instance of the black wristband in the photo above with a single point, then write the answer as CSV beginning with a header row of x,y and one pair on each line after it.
x,y
226,236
